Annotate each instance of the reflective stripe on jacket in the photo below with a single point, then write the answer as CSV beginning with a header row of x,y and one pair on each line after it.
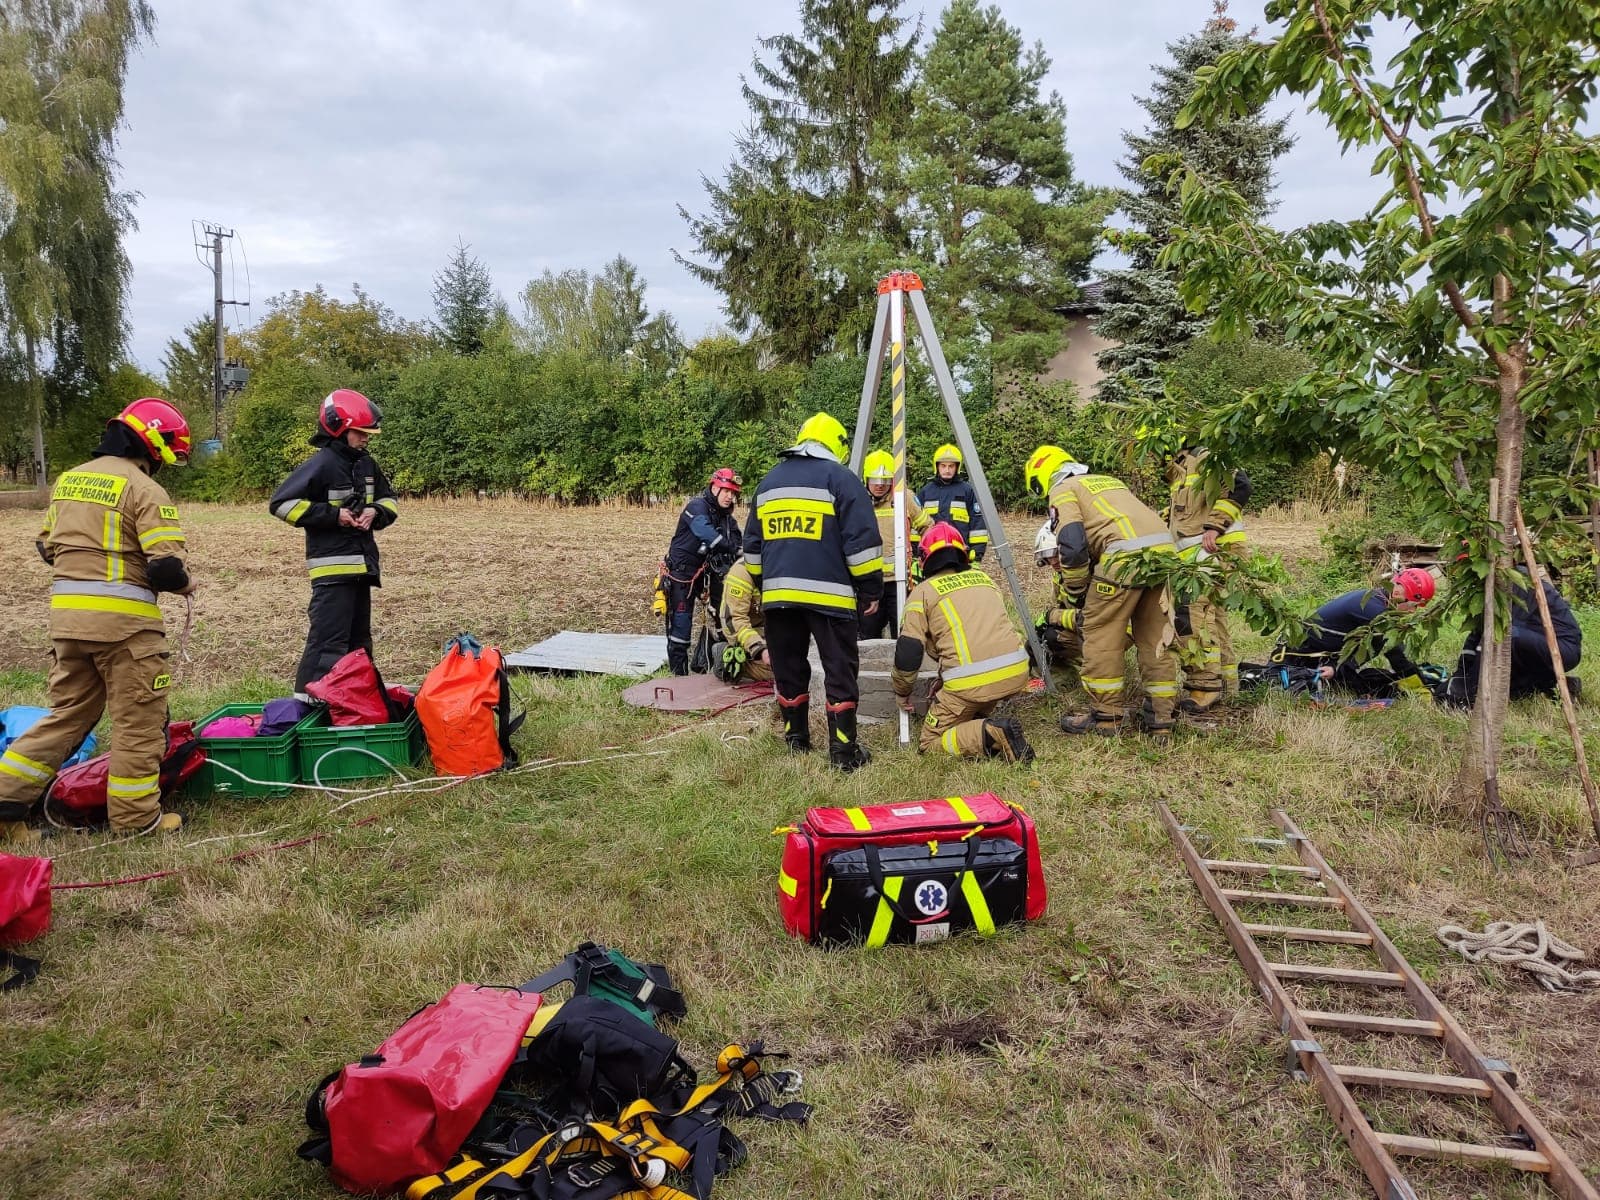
x,y
108,520
742,618
811,539
1097,519
957,503
916,521
1196,502
960,619
311,499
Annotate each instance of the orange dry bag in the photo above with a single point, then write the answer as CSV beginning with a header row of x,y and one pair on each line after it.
x,y
465,708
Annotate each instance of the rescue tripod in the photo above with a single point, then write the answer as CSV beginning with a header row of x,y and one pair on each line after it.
x,y
889,339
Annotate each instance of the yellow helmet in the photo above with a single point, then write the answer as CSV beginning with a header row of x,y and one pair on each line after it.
x,y
1043,463
947,453
826,432
878,467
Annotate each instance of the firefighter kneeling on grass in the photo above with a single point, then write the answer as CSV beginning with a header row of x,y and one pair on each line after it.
x,y
112,539
1099,526
957,615
1058,624
743,659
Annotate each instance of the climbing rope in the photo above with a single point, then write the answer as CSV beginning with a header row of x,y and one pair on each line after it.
x,y
1528,946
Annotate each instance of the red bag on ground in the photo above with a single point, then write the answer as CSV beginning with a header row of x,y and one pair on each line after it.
x,y
24,898
465,708
913,872
403,1112
352,691
78,795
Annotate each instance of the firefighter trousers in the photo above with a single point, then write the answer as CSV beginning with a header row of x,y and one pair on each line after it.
x,y
790,632
130,679
1114,617
1206,652
340,618
955,724
885,622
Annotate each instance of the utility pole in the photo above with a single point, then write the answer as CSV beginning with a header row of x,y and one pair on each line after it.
x,y
213,242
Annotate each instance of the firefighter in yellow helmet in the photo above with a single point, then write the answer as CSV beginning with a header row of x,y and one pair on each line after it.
x,y
743,659
957,615
113,542
878,474
1058,624
948,497
1099,526
1204,514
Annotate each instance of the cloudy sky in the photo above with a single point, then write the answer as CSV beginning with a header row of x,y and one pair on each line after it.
x,y
356,141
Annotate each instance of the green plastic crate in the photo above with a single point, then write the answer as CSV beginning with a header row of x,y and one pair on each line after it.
x,y
399,742
271,760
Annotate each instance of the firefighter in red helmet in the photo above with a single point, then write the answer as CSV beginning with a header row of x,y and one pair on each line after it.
x,y
340,497
112,540
702,551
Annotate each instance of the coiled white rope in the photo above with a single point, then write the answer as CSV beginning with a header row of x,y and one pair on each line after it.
x,y
1528,946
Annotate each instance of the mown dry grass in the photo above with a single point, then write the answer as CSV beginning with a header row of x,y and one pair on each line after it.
x,y
1113,1049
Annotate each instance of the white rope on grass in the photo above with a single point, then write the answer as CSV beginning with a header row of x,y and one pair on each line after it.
x,y
1526,945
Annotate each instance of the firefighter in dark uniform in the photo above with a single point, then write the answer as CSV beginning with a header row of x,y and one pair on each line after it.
x,y
1533,670
340,497
812,542
113,542
952,500
1346,617
703,549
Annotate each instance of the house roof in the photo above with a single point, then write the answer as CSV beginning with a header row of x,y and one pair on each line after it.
x,y
1091,300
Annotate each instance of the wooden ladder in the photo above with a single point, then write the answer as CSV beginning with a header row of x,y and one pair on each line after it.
x,y
1482,1078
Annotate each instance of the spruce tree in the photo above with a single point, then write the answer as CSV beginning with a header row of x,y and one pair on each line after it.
x,y
802,190
1000,227
1143,313
464,302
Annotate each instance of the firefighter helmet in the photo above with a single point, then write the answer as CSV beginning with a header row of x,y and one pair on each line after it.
x,y
1045,546
726,477
1416,584
879,467
1042,466
827,433
941,535
344,410
160,427
947,453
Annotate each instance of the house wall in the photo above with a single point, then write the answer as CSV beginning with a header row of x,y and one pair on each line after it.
x,y
1076,362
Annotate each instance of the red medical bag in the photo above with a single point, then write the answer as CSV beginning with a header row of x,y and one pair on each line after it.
x,y
918,872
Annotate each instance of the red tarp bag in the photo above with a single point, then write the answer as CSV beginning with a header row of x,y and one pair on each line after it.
x,y
911,872
77,797
24,898
465,708
403,1112
353,692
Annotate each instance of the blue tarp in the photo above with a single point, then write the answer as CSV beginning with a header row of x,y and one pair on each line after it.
x,y
19,718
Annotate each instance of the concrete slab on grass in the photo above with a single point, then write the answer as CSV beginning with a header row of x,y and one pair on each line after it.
x,y
693,693
629,654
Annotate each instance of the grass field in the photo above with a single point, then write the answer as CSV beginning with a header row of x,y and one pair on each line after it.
x,y
1113,1049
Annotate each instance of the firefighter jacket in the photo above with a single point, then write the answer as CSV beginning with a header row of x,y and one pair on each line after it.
x,y
956,503
705,529
112,539
334,478
1098,522
1198,503
1335,622
742,619
960,619
1525,616
916,520
812,540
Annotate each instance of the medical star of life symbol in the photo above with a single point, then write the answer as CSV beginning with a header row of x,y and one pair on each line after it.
x,y
932,898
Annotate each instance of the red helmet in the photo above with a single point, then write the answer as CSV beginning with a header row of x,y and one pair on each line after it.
x,y
1416,584
726,477
345,410
160,427
940,535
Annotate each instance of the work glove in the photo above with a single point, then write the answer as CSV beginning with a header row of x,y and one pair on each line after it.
x,y
1412,685
721,558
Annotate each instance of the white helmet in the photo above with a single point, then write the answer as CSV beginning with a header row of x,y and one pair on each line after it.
x,y
1045,547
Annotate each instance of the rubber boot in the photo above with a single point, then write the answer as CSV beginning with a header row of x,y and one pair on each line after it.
x,y
169,822
1157,731
844,751
1003,739
1201,701
17,833
1078,723
1575,687
796,724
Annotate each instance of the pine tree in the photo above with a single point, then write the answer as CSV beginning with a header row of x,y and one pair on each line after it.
x,y
464,302
802,189
1000,227
1143,311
